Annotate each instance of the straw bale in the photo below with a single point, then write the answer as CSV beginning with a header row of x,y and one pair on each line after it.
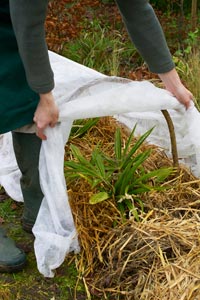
x,y
155,259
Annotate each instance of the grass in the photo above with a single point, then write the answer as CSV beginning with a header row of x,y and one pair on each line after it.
x,y
101,49
29,284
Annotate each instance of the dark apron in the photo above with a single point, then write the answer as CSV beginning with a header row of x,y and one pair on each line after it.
x,y
17,101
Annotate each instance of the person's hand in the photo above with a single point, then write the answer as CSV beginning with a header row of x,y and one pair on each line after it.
x,y
174,85
46,114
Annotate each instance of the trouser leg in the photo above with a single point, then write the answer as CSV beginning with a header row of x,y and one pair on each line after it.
x,y
27,149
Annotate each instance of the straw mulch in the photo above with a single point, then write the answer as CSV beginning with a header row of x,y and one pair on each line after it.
x,y
157,258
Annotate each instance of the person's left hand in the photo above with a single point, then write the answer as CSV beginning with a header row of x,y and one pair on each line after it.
x,y
46,114
174,85
182,94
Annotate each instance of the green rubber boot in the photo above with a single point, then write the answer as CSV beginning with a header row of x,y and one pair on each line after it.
x,y
12,259
27,149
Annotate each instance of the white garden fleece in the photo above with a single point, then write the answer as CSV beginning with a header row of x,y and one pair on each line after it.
x,y
81,93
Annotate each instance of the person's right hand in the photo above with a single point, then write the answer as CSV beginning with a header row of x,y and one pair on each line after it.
x,y
46,114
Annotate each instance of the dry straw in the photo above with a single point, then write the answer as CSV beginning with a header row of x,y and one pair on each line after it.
x,y
155,259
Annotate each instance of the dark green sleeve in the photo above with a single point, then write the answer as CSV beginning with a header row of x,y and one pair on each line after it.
x,y
28,18
146,33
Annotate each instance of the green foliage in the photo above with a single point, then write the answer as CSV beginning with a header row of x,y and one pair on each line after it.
x,y
81,127
173,5
29,283
121,177
100,48
162,4
6,209
187,61
189,44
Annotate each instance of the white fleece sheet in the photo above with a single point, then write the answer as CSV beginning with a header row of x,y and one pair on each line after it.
x,y
84,93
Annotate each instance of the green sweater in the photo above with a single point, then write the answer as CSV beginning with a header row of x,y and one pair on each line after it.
x,y
17,100
28,20
25,68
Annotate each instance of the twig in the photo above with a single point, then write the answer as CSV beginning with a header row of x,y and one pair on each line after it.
x,y
172,137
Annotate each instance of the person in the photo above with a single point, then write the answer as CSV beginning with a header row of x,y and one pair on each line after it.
x,y
27,103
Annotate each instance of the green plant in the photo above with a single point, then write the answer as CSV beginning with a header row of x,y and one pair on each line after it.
x,y
81,127
100,48
191,43
121,177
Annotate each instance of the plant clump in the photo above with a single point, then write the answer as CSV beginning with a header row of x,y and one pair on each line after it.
x,y
156,258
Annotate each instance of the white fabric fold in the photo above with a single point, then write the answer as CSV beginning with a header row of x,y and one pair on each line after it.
x,y
9,172
54,228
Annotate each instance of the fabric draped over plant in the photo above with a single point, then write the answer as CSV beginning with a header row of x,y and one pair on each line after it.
x,y
84,93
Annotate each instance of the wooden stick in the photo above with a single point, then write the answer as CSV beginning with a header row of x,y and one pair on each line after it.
x,y
172,137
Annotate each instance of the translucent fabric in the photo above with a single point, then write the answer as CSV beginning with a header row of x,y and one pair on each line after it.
x,y
84,93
